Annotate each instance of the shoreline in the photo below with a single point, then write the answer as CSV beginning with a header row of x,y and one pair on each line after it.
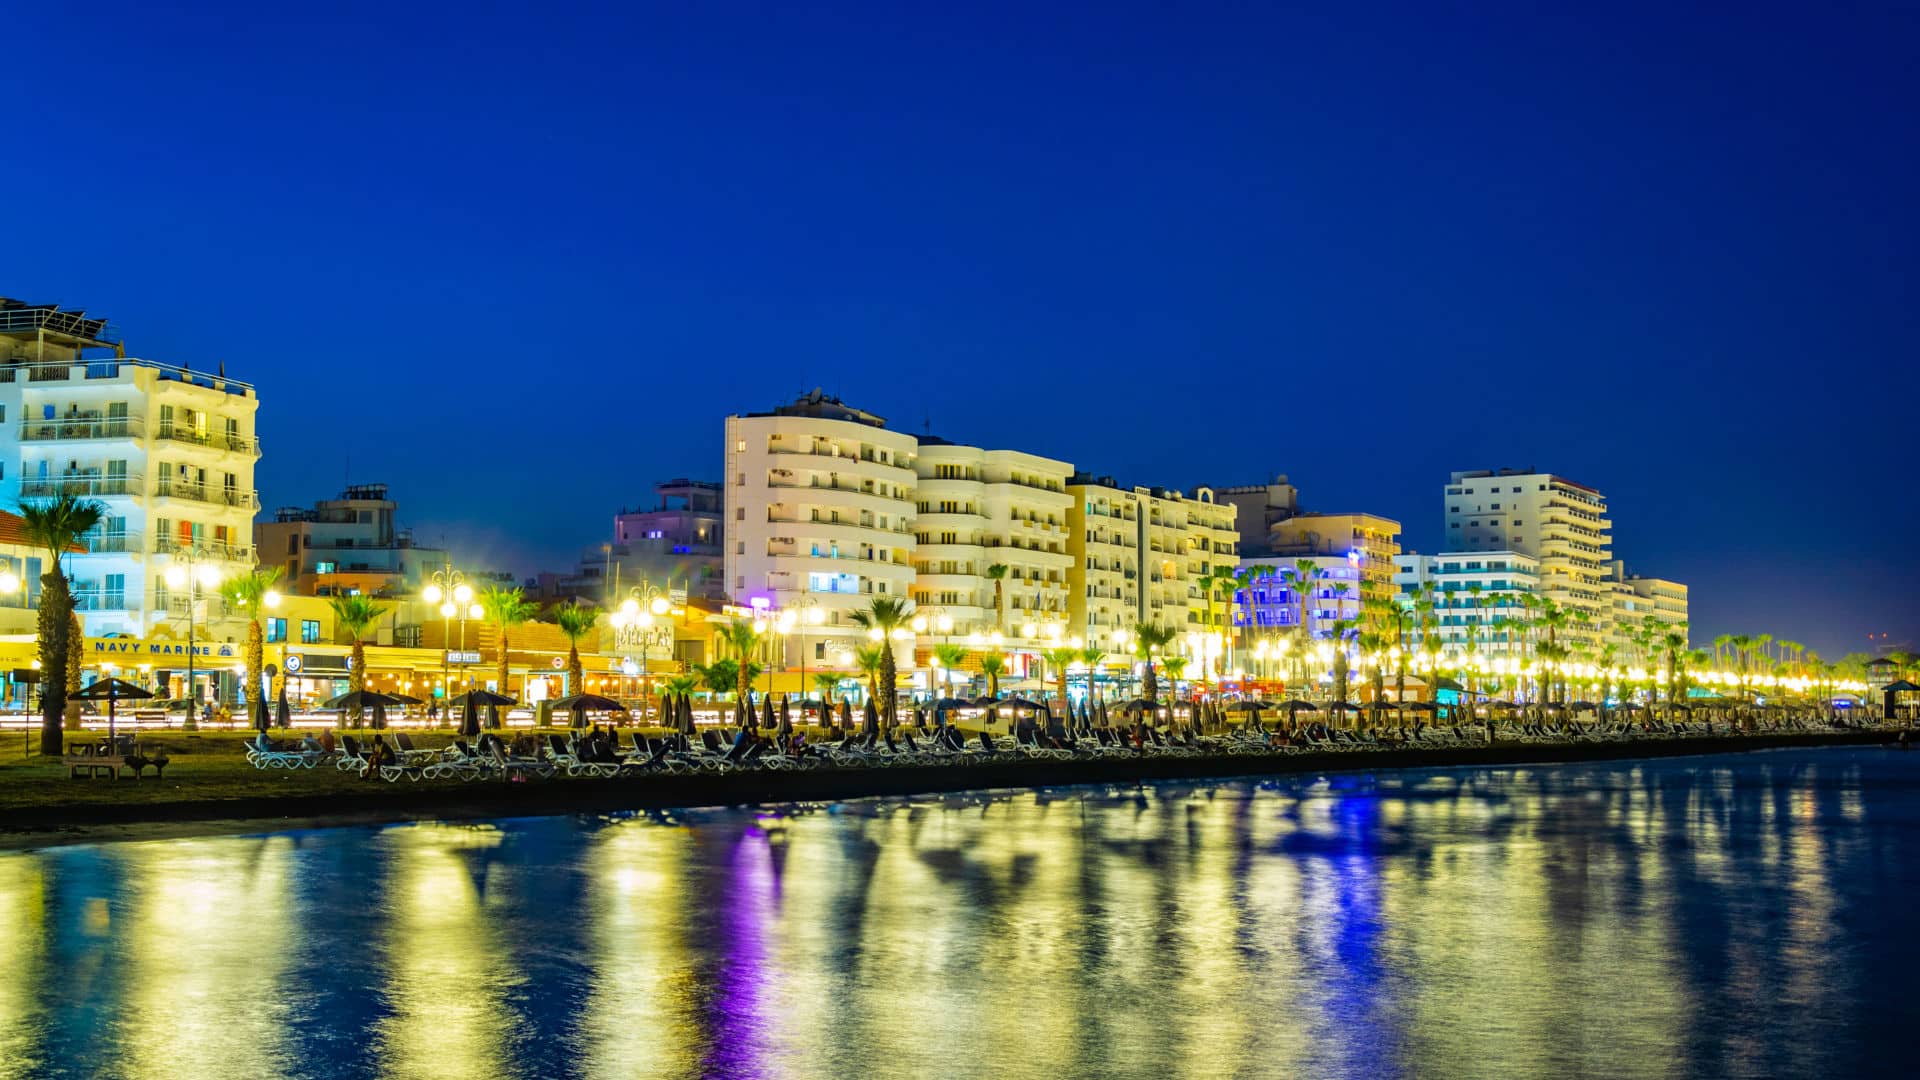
x,y
58,824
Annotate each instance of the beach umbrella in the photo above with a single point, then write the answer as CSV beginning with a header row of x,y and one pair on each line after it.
x,y
358,702
110,691
686,714
285,711
742,712
768,721
1296,706
846,713
786,718
469,717
872,725
401,699
1105,720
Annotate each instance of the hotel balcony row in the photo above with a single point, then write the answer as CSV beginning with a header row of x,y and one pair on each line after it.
x,y
86,429
134,543
164,488
118,370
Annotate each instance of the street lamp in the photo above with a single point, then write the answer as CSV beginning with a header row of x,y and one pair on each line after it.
x,y
448,588
643,604
192,570
806,612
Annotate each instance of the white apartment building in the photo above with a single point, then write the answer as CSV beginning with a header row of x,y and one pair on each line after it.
x,y
819,510
1562,524
169,451
1505,580
977,508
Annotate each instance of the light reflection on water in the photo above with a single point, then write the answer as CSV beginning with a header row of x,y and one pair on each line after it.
x,y
1720,916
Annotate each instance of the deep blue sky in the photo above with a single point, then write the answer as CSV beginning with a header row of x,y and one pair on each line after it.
x,y
1671,255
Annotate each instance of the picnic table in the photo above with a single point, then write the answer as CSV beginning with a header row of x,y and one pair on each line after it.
x,y
110,757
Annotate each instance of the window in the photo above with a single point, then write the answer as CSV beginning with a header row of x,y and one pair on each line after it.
x,y
276,629
739,513
1516,490
293,543
1517,523
115,589
740,446
1496,506
324,567
1453,509
309,631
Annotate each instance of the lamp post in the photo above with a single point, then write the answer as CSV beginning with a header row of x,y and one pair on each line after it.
x,y
644,604
193,570
448,588
795,620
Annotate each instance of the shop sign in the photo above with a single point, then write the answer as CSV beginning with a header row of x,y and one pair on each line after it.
x,y
632,639
294,663
559,662
135,648
454,656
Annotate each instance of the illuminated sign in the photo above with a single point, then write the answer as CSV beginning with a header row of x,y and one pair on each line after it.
x,y
455,656
136,647
294,663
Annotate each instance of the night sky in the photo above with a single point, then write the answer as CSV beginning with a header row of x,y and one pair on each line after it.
x,y
518,263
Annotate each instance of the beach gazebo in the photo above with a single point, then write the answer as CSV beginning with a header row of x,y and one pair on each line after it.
x,y
1899,699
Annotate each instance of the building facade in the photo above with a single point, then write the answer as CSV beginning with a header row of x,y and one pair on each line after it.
x,y
170,452
1138,554
1474,594
1367,543
819,511
676,547
1562,524
1637,598
345,545
1257,509
975,509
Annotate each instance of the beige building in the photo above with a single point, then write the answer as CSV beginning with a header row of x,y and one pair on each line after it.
x,y
1367,543
1637,598
1139,554
1550,518
978,508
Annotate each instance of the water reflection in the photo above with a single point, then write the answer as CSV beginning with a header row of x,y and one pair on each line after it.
x,y
1721,916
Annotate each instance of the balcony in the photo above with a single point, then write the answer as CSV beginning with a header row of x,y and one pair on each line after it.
x,y
77,428
112,543
239,444
169,488
81,485
168,545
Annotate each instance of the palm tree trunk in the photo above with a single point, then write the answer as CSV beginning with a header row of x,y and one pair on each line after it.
x,y
1152,682
255,661
56,607
576,679
502,688
357,679
889,677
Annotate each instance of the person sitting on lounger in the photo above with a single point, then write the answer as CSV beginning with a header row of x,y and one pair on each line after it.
x,y
378,754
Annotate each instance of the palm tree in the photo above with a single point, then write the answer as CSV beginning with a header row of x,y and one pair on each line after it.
x,y
993,665
1091,655
1244,580
869,658
1301,578
1216,578
1176,668
826,682
719,677
676,685
744,642
950,657
54,526
354,616
997,573
887,614
247,594
576,621
1148,640
505,609
1058,659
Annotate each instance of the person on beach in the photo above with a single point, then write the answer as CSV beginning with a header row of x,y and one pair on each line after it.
x,y
378,754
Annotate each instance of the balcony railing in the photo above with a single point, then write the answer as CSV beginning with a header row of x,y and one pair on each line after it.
x,y
112,543
169,488
87,427
239,444
80,485
168,545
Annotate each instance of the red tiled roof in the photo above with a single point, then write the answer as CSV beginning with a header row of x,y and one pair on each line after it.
x,y
13,530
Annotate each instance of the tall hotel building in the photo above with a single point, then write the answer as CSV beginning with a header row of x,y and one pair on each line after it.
x,y
169,451
1562,524
819,510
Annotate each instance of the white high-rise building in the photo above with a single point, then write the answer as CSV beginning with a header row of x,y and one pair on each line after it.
x,y
169,451
819,510
1562,524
